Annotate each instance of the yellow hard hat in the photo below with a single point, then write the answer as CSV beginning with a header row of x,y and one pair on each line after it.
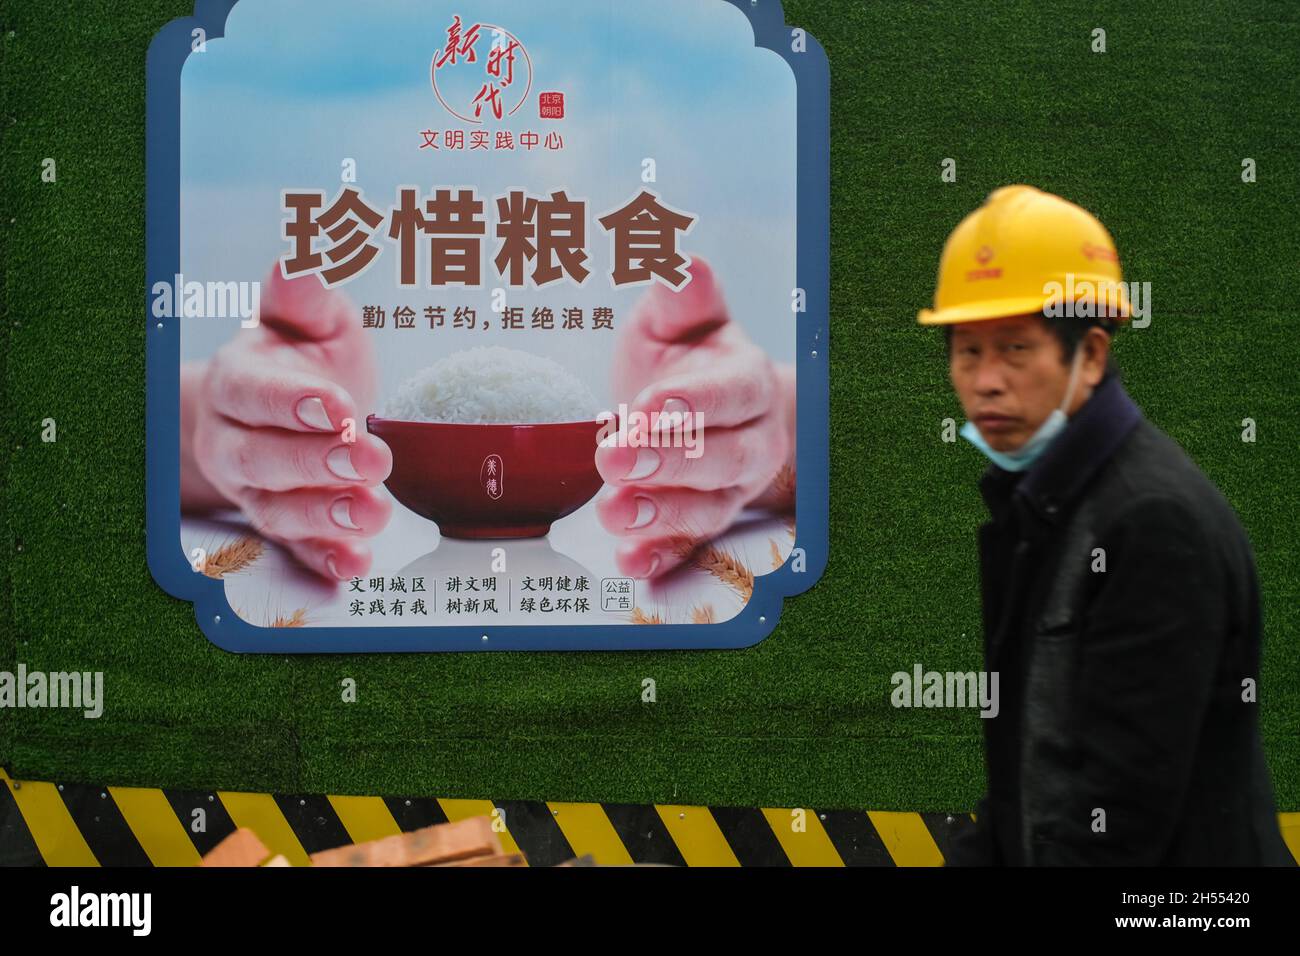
x,y
1020,250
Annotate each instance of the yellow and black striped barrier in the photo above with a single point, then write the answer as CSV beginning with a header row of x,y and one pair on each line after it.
x,y
80,825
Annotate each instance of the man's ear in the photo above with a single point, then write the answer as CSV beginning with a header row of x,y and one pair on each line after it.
x,y
1096,349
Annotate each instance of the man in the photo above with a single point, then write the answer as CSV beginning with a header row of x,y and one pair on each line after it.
x,y
1120,602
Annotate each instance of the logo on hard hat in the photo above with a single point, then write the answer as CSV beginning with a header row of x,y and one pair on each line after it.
x,y
1099,252
983,255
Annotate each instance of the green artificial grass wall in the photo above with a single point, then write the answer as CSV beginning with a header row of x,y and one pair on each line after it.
x,y
1149,135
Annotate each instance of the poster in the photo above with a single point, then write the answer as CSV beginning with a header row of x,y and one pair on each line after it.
x,y
487,326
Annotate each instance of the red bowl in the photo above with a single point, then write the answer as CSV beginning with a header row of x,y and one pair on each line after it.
x,y
491,481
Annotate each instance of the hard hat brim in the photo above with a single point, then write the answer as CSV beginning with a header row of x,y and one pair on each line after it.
x,y
980,311
997,309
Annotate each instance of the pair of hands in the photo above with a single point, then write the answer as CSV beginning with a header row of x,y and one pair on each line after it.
x,y
265,427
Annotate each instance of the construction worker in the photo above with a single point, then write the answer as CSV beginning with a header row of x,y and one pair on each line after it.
x,y
1120,603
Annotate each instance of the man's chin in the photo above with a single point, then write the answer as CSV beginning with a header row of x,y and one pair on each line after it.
x,y
1004,443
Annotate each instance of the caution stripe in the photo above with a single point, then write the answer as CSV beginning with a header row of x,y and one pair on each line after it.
x,y
17,848
854,836
589,833
203,817
752,837
697,836
803,838
101,823
464,809
365,818
261,814
907,838
158,830
1291,832
79,825
313,821
642,832
534,828
415,813
49,823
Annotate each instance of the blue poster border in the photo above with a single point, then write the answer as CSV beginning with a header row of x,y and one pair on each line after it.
x,y
220,624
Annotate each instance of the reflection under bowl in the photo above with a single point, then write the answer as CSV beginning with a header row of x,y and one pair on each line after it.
x,y
491,481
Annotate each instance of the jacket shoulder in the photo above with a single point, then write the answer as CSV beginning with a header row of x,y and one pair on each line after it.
x,y
1151,472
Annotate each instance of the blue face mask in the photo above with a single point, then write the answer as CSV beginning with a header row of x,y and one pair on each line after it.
x,y
1021,458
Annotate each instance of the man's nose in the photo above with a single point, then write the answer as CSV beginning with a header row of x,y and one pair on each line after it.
x,y
989,377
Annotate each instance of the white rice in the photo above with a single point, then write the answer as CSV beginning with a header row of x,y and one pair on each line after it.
x,y
488,386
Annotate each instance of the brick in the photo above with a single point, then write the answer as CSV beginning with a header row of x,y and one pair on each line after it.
x,y
502,859
440,843
241,848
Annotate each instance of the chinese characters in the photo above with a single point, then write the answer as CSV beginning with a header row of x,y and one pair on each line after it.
x,y
499,68
541,239
403,597
541,318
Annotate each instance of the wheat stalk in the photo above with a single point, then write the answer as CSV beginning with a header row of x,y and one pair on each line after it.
x,y
640,617
702,614
777,560
232,557
727,568
297,619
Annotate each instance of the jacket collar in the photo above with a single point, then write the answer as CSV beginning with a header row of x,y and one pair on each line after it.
x,y
1052,484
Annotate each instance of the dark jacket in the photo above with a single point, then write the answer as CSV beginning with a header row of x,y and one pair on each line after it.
x,y
1121,611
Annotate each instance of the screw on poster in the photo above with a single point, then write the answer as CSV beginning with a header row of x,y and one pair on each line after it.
x,y
487,326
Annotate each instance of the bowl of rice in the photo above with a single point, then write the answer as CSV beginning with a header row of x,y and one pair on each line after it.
x,y
492,443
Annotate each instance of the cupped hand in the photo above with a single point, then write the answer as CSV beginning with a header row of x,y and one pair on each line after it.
x,y
265,429
682,353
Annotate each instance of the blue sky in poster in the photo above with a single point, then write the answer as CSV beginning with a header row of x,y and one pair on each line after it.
x,y
296,86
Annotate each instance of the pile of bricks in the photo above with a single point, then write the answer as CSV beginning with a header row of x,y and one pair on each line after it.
x,y
470,842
